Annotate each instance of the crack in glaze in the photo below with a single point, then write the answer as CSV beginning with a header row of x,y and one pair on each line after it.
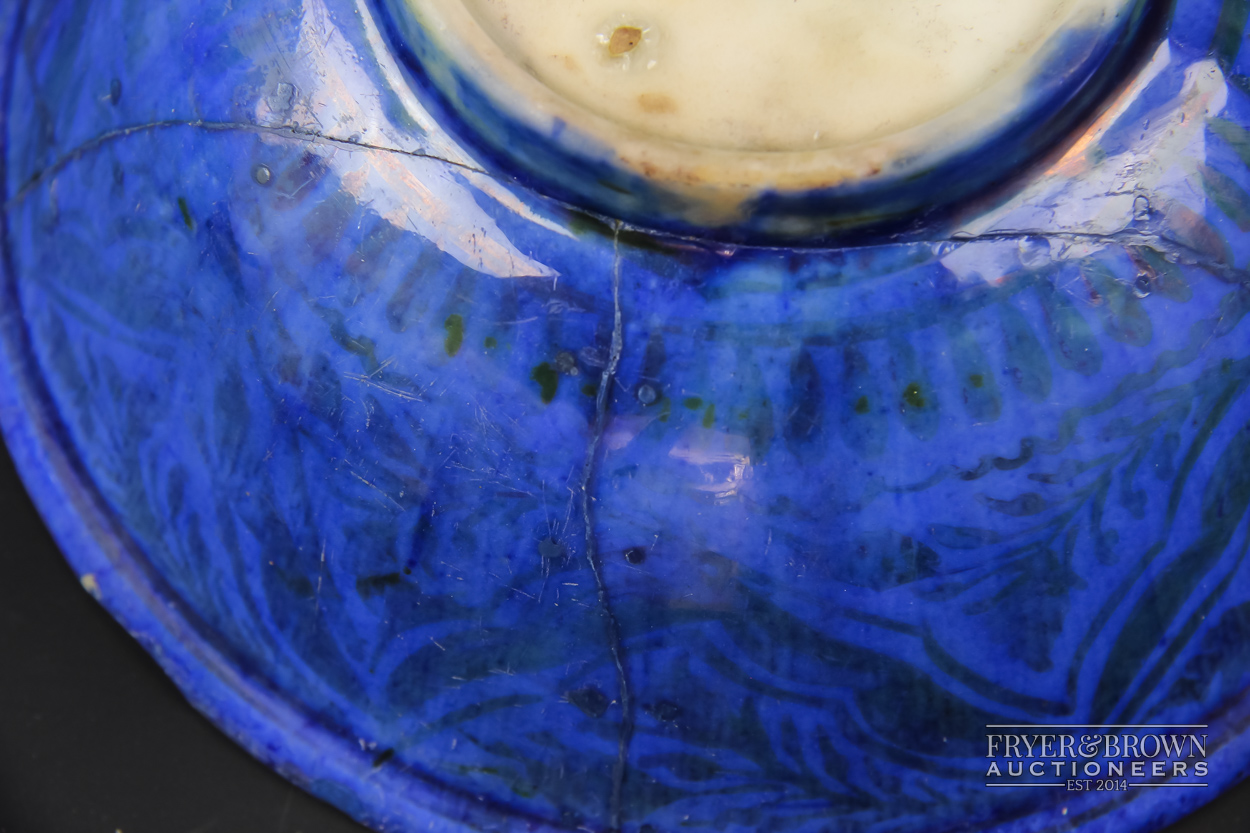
x,y
615,645
285,131
1137,237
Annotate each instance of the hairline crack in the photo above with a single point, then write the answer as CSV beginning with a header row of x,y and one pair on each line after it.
x,y
611,626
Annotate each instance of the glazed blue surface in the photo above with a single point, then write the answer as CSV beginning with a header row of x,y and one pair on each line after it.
x,y
464,509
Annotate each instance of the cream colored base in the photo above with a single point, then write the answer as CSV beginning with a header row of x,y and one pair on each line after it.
x,y
773,74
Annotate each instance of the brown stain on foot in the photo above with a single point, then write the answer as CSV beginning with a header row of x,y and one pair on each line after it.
x,y
624,39
657,103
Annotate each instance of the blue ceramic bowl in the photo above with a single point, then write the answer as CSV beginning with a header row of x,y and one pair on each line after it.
x,y
465,508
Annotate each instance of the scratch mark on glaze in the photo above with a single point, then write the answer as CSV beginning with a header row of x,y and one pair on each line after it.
x,y
393,391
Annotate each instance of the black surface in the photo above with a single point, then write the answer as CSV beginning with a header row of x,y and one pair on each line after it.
x,y
95,739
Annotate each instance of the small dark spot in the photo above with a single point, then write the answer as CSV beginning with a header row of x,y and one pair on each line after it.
x,y
454,325
976,380
694,403
590,700
262,175
548,381
636,555
914,396
665,711
1141,287
550,548
407,571
590,389
646,394
119,174
115,91
709,416
186,212
648,828
861,405
382,757
491,343
566,363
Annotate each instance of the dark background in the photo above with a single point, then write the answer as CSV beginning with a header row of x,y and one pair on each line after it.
x,y
95,739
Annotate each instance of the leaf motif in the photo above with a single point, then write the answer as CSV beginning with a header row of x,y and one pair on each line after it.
x,y
909,709
1229,31
1123,316
1021,506
1164,276
221,246
1131,498
324,225
477,653
1237,137
1224,655
303,616
408,304
754,408
1227,195
1193,231
231,418
978,382
1224,502
863,414
1076,348
323,391
1026,360
916,398
883,560
833,762
1041,596
805,410
963,537
1241,82
1233,308
367,265
1165,453
684,766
